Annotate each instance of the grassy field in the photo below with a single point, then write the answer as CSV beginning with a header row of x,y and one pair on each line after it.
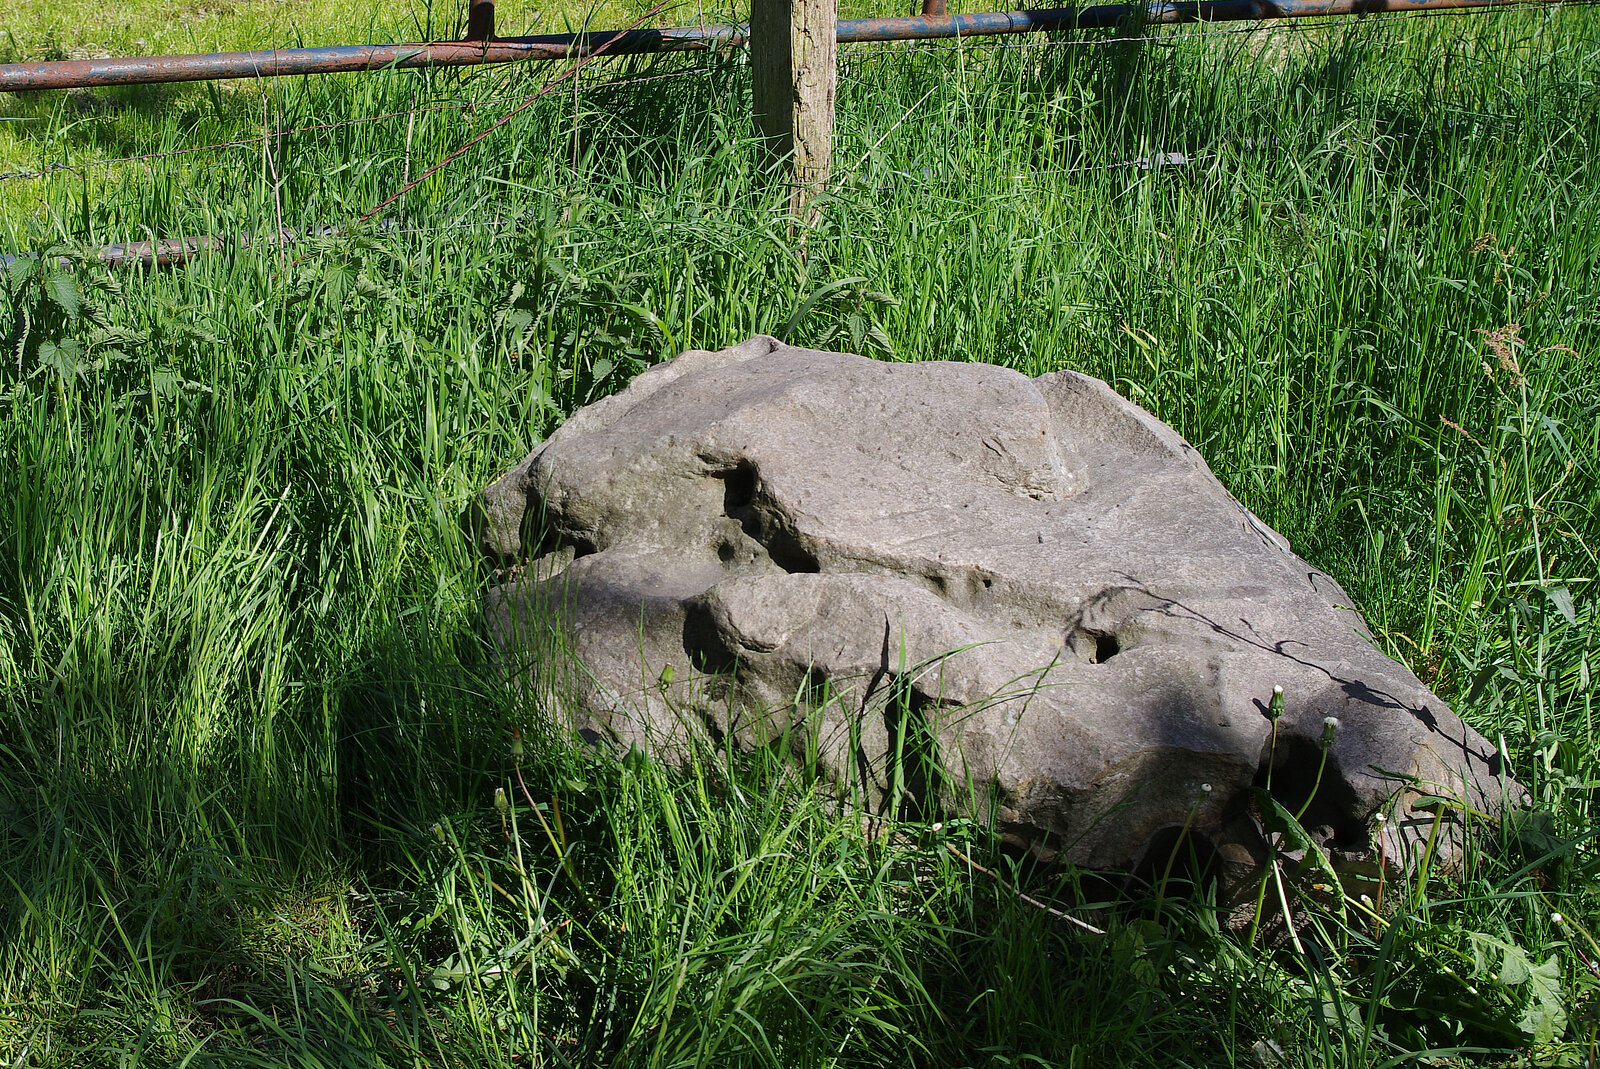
x,y
252,741
77,29
74,29
49,130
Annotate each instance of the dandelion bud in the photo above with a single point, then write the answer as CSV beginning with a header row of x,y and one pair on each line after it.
x,y
1557,919
1330,728
516,742
1275,707
500,802
1366,900
438,832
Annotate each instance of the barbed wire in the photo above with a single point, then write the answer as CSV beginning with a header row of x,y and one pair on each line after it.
x,y
968,45
849,52
1259,26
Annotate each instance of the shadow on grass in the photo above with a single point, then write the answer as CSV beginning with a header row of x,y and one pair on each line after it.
x,y
67,126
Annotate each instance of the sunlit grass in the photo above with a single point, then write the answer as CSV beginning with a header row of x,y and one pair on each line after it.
x,y
80,29
252,731
40,131
76,29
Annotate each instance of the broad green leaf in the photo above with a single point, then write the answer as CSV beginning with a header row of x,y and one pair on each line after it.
x,y
517,320
1535,832
1482,951
64,292
1514,967
1546,1016
65,357
1480,679
165,382
1561,597
1275,818
21,269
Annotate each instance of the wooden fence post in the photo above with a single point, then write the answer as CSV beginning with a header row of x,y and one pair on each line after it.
x,y
794,53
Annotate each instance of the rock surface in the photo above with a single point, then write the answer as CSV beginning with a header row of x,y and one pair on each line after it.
x,y
961,591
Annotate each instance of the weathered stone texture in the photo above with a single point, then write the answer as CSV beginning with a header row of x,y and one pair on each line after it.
x,y
961,589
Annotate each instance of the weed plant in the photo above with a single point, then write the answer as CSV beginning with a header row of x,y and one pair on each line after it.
x,y
265,798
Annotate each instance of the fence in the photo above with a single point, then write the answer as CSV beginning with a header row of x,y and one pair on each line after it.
x,y
274,63
793,85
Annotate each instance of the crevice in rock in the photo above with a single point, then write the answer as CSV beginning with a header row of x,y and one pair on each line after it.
x,y
1331,816
1106,646
913,773
581,546
738,487
542,537
1093,646
970,589
815,692
714,732
703,645
788,553
1180,858
761,519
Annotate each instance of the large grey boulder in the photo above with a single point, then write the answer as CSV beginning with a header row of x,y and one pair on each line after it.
x,y
958,590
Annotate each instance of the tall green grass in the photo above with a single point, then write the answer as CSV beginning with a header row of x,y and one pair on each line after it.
x,y
252,731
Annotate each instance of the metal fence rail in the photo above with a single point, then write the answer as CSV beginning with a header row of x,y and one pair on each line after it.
x,y
272,63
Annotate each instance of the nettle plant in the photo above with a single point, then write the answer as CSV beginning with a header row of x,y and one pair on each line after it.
x,y
60,332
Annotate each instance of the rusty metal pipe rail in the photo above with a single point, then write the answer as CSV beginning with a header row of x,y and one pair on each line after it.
x,y
275,63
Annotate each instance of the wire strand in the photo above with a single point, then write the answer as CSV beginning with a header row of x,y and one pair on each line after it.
x,y
255,141
846,53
